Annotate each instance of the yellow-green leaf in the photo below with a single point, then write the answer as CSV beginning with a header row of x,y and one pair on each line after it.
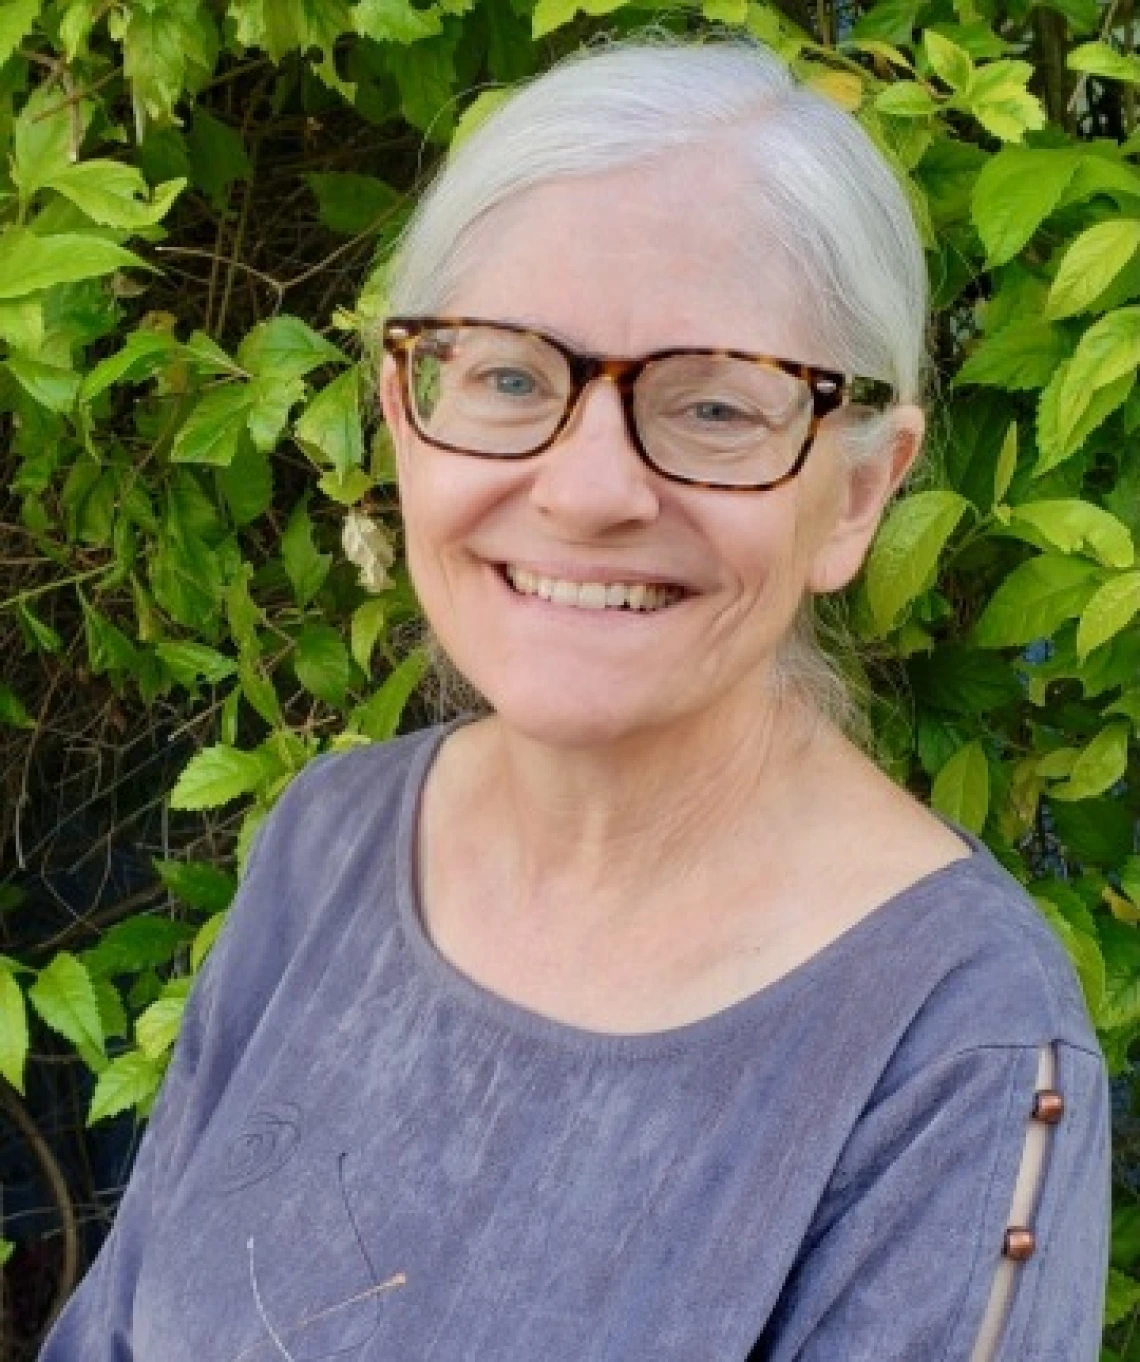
x,y
1111,609
1098,59
1076,526
215,776
905,554
952,64
961,789
157,1026
131,1080
1006,463
329,428
29,263
211,432
1015,192
1098,767
13,1030
1067,415
1091,263
64,997
1035,599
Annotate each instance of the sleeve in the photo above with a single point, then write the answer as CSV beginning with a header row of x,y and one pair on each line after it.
x,y
911,1236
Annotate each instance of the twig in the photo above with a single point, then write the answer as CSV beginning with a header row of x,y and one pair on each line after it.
x,y
57,1183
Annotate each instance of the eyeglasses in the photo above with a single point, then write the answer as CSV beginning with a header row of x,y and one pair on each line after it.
x,y
709,418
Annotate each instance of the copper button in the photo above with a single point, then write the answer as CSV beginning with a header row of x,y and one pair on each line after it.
x,y
1048,1106
1019,1244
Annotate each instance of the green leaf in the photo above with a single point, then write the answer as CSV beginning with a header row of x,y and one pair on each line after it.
x,y
138,943
43,635
322,664
1006,464
379,716
1024,354
367,626
112,1014
1067,416
167,48
906,99
952,65
1036,599
131,1080
355,204
247,483
108,648
114,194
346,489
16,20
425,74
156,1029
1075,526
905,554
1122,1296
42,138
961,680
189,663
961,789
29,263
304,566
198,883
285,348
258,689
1098,767
204,942
1111,609
144,353
210,434
1098,59
64,997
218,157
552,14
329,429
1091,263
271,401
1108,353
1014,194
395,21
216,776
13,712
13,1030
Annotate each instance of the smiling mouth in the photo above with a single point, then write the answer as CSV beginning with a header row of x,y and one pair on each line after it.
x,y
643,597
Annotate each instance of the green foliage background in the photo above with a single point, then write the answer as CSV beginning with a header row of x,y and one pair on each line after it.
x,y
192,193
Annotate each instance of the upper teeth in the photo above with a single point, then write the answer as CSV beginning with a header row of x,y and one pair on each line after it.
x,y
593,595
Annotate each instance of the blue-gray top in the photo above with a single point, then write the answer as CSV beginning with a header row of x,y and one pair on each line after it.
x,y
361,1154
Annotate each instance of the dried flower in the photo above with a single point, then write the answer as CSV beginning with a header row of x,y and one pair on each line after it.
x,y
366,544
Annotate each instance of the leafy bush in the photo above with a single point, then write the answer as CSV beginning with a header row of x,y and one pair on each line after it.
x,y
193,192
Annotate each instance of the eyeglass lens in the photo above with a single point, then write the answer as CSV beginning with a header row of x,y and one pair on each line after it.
x,y
706,417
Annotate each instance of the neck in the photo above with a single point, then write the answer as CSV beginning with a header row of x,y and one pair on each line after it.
x,y
605,833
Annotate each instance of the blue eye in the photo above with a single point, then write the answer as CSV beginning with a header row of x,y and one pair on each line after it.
x,y
512,382
717,413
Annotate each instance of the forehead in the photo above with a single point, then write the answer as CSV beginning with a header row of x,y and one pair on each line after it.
x,y
642,259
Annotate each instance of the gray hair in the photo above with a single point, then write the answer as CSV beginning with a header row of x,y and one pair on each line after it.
x,y
812,178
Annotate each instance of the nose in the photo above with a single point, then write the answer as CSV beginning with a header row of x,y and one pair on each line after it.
x,y
592,479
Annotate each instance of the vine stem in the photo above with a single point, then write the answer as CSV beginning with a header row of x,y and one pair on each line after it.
x,y
57,1183
34,591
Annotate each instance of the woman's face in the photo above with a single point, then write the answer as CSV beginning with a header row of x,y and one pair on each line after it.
x,y
621,265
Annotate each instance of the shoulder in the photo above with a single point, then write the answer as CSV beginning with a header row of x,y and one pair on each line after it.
x,y
990,970
330,840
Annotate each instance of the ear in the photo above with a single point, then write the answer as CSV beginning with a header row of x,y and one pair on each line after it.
x,y
867,491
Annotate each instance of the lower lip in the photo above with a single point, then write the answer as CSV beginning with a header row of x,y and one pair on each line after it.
x,y
620,616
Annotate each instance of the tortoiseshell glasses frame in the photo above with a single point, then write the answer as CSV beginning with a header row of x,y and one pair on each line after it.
x,y
829,390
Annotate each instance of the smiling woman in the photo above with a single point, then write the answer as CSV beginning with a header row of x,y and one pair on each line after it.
x,y
641,1019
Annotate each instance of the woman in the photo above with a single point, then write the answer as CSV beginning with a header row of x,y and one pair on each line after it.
x,y
643,1020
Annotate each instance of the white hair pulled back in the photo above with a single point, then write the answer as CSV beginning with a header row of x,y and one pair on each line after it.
x,y
812,177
